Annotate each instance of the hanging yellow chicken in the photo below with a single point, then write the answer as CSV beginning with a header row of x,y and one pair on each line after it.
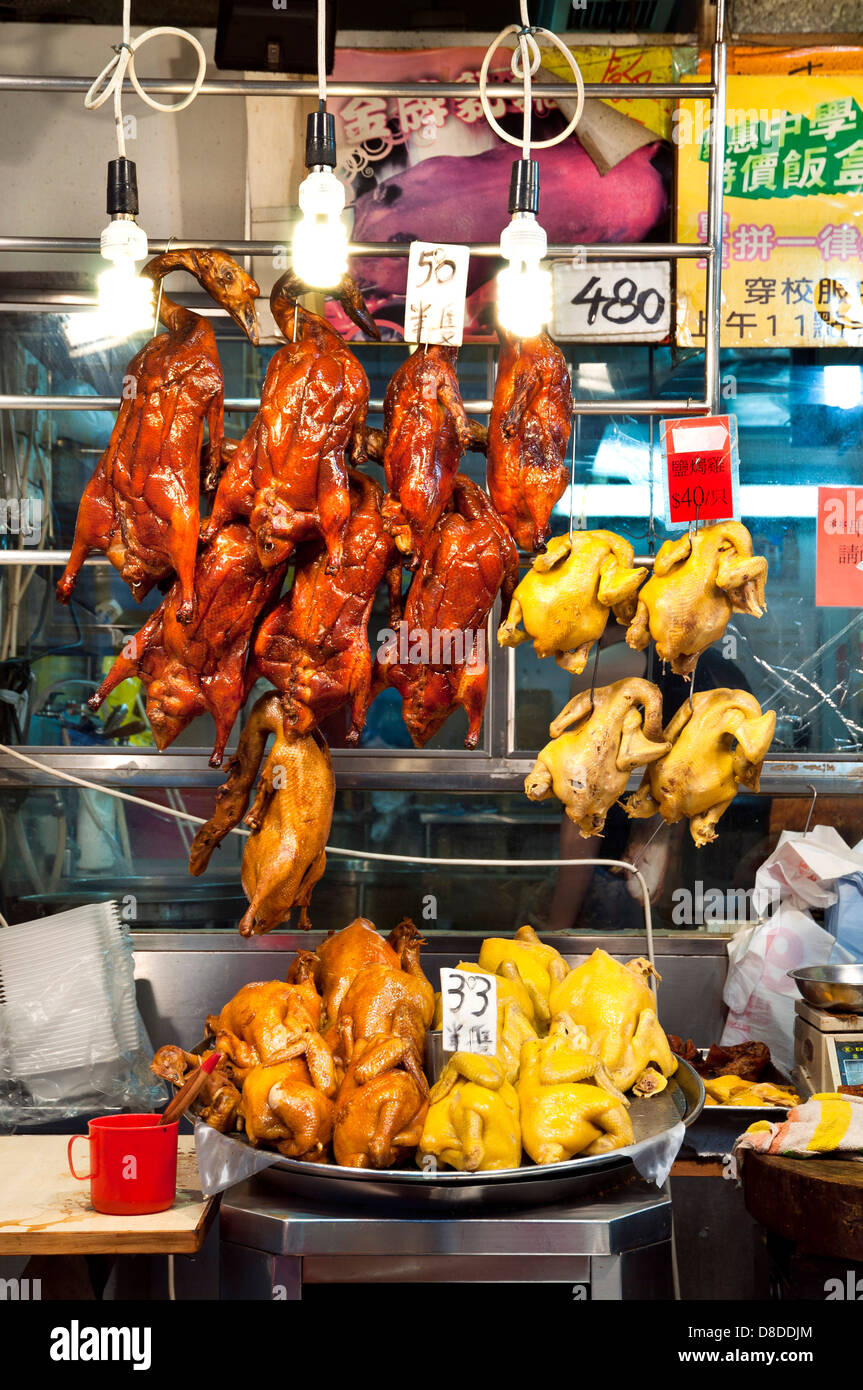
x,y
588,767
614,1003
716,746
562,1113
698,581
472,1122
565,597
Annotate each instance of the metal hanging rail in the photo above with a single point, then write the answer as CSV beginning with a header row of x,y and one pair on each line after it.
x,y
250,87
598,251
248,405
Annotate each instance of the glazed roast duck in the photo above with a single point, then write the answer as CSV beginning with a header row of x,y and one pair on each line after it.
x,y
288,477
142,505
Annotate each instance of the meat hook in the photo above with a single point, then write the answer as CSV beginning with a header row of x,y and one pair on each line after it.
x,y
814,792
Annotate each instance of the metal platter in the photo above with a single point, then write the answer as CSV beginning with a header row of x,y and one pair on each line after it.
x,y
529,1185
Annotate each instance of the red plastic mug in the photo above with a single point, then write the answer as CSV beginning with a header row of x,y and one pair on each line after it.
x,y
133,1164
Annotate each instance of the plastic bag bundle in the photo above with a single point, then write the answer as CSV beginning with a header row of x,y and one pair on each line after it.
x,y
71,1038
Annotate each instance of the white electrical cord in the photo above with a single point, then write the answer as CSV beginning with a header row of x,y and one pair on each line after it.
x,y
111,78
322,52
375,855
524,63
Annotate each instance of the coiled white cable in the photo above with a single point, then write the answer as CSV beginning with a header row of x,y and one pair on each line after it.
x,y
524,64
111,78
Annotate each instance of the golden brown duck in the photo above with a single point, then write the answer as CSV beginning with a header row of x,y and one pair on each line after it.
x,y
715,746
698,581
290,818
285,1107
473,1117
381,1105
142,505
218,1099
588,767
528,433
562,1112
615,1005
344,954
566,596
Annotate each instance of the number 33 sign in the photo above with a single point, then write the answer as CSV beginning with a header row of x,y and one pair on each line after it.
x,y
469,1009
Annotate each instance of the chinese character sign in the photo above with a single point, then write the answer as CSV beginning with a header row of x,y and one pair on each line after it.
x,y
839,548
436,288
469,1011
792,236
701,469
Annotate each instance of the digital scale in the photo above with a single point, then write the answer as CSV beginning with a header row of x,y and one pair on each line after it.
x,y
828,1049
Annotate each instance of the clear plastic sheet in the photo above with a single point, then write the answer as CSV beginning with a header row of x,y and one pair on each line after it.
x,y
71,1039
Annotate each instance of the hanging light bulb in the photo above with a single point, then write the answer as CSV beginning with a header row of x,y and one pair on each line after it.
x,y
125,300
524,287
321,237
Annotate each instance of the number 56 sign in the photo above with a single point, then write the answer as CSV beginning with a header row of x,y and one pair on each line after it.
x,y
469,1010
435,295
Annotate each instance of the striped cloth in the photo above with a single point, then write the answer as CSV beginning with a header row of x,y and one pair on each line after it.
x,y
827,1123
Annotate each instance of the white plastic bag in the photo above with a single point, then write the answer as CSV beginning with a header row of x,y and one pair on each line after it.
x,y
802,872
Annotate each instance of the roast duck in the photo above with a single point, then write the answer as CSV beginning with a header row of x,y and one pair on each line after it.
x,y
289,820
528,434
142,505
328,1064
314,646
466,560
288,477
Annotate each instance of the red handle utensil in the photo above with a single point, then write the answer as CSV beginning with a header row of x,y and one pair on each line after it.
x,y
180,1103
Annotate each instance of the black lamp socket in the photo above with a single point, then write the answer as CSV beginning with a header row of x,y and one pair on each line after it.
x,y
122,188
320,139
524,186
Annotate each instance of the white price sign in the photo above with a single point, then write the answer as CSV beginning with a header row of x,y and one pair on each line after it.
x,y
469,1008
436,289
611,301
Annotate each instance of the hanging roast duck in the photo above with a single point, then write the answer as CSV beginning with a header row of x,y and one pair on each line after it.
x,y
289,474
141,506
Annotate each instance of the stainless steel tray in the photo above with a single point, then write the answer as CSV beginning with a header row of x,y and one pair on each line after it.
x,y
530,1185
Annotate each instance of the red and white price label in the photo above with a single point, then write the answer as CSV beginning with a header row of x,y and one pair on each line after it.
x,y
702,469
469,1011
435,294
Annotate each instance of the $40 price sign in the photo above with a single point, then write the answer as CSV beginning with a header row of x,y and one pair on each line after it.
x,y
702,466
469,1009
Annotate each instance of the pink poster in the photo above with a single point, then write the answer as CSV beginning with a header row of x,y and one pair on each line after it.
x,y
428,168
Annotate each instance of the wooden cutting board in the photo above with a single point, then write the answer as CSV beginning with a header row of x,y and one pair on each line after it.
x,y
45,1211
815,1202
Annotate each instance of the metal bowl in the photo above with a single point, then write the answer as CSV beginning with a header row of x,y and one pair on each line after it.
x,y
837,988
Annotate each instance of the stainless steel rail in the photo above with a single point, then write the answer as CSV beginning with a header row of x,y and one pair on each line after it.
x,y
599,251
249,405
251,87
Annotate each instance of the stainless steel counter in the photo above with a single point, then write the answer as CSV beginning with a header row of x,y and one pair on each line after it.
x,y
617,1245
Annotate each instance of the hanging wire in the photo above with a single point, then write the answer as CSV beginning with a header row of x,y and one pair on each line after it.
x,y
322,54
524,64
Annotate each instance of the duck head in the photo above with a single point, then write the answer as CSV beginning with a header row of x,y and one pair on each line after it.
x,y
219,274
289,287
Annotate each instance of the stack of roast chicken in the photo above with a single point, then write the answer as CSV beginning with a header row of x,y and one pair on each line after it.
x,y
328,1065
290,500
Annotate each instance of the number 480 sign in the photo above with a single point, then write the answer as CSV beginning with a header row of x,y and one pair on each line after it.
x,y
435,295
607,301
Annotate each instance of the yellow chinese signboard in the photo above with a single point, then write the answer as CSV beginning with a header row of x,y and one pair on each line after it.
x,y
792,244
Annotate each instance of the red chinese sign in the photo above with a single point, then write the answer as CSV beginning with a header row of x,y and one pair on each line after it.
x,y
701,469
839,548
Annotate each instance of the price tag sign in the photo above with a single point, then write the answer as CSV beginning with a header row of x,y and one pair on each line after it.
x,y
839,548
611,301
469,1008
436,289
702,468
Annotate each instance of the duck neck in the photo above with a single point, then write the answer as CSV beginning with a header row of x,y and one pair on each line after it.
x,y
173,315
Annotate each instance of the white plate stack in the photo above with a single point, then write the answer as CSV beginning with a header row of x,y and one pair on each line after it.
x,y
67,1002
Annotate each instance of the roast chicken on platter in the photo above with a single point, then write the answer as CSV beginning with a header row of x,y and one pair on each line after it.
x,y
716,745
327,1065
597,741
528,434
565,598
698,581
141,507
